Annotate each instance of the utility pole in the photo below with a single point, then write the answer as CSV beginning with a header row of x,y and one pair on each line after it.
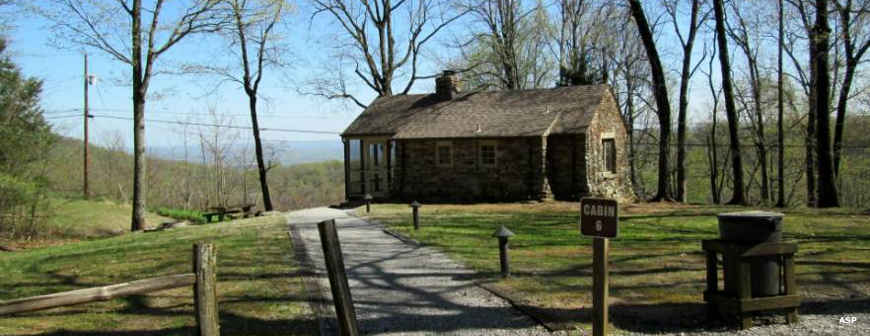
x,y
85,118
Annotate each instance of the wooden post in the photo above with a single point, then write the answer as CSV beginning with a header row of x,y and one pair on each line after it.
x,y
599,285
205,289
712,284
790,286
87,158
347,182
744,288
347,324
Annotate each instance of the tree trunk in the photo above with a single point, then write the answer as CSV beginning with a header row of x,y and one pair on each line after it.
x,y
629,105
139,92
761,144
841,113
685,75
714,162
827,189
730,110
811,154
780,134
661,96
258,147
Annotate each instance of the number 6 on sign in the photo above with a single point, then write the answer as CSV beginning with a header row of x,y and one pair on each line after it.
x,y
599,217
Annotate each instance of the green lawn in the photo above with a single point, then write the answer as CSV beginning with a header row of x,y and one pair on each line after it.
x,y
657,263
259,287
77,218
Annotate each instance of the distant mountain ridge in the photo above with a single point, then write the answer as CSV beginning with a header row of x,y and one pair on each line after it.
x,y
286,152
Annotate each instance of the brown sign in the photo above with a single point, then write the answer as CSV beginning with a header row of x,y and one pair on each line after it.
x,y
598,217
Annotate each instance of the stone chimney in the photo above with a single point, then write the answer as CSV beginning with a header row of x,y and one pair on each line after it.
x,y
447,85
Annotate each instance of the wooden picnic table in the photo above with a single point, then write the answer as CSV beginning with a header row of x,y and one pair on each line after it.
x,y
223,210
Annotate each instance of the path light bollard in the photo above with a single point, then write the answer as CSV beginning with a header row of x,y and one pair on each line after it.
x,y
503,234
368,198
415,206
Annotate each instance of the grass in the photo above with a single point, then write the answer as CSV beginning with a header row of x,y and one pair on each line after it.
x,y
656,262
192,216
259,289
74,219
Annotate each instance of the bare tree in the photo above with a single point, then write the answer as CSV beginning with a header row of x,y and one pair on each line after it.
x,y
630,84
257,46
716,181
660,90
583,40
730,111
386,52
97,25
780,134
696,19
742,33
821,85
856,40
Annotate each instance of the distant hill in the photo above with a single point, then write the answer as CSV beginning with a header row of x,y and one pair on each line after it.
x,y
315,178
286,152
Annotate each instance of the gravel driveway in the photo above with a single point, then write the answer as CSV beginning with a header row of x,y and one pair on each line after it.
x,y
402,289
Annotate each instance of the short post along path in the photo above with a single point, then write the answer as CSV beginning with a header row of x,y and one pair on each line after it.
x,y
402,289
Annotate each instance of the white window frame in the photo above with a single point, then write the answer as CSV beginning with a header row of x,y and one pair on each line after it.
x,y
438,146
494,145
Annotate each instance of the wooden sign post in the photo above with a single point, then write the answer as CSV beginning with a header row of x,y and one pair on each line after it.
x,y
347,324
598,219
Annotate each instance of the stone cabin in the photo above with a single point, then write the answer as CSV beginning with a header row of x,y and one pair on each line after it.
x,y
451,146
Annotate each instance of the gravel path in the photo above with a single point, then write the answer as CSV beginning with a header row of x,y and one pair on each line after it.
x,y
401,289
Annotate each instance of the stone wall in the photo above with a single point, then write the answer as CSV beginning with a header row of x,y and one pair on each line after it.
x,y
515,176
608,124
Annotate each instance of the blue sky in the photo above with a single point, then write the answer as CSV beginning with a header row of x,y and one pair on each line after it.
x,y
184,98
187,98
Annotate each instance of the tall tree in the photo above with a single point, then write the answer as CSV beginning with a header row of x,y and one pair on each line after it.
x,y
660,91
581,31
386,52
856,41
629,83
741,34
253,33
508,46
97,25
821,86
780,131
503,22
696,19
739,196
24,132
792,39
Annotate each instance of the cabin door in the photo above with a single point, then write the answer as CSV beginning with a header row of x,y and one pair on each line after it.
x,y
376,167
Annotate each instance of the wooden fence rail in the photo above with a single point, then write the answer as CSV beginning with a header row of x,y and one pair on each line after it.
x,y
203,279
96,293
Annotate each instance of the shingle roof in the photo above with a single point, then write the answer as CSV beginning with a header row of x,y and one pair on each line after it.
x,y
481,114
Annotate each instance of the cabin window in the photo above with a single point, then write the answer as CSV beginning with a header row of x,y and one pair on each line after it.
x,y
444,153
609,153
487,154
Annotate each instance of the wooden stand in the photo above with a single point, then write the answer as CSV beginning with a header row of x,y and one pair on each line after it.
x,y
736,299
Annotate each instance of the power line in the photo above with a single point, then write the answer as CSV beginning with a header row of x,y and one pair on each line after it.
x,y
62,117
259,115
287,130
